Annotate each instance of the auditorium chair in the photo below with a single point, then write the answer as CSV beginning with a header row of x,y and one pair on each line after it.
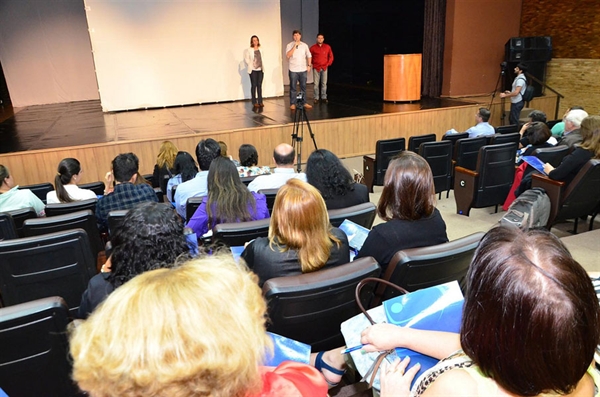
x,y
466,151
579,198
453,138
418,268
239,233
507,129
552,155
270,194
374,168
310,307
8,229
19,216
552,123
439,157
115,220
362,214
247,179
497,139
34,349
414,142
73,206
160,196
96,187
489,183
192,205
54,264
39,189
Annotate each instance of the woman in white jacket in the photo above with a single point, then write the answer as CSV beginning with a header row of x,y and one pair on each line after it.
x,y
254,61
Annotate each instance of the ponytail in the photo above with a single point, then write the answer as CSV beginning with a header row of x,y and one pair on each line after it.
x,y
66,169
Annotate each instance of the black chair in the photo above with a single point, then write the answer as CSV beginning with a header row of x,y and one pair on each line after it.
x,y
374,168
55,264
192,205
115,220
247,179
362,214
238,234
149,178
489,183
85,220
8,230
19,216
466,151
73,206
270,194
454,137
552,123
96,187
498,139
439,157
414,142
507,129
418,268
34,349
39,189
310,307
553,155
160,196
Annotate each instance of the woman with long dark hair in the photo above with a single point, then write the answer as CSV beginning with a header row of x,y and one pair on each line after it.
x,y
185,170
65,183
228,200
254,58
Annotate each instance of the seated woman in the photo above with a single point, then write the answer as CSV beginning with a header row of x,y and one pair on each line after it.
x,y
165,165
301,240
228,200
65,182
12,198
195,330
530,325
249,162
185,169
150,237
407,203
590,148
325,171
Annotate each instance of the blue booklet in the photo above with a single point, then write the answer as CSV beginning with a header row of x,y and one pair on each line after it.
x,y
356,233
535,163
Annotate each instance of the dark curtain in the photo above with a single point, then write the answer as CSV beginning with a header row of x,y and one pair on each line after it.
x,y
433,47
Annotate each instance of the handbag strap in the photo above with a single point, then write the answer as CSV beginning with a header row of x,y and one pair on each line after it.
x,y
368,280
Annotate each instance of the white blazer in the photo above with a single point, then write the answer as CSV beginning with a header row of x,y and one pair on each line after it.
x,y
249,58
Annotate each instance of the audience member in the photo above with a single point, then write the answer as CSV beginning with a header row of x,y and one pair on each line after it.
x,y
301,240
249,162
185,170
68,174
12,198
223,147
534,115
126,193
407,203
151,237
206,151
482,127
195,330
325,171
527,300
284,156
537,133
559,128
165,165
573,162
572,134
228,199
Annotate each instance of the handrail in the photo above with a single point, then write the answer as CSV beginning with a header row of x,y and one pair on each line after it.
x,y
558,94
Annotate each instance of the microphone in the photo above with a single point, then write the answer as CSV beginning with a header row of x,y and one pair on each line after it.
x,y
296,46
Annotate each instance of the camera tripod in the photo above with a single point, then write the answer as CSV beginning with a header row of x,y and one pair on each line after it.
x,y
502,100
300,118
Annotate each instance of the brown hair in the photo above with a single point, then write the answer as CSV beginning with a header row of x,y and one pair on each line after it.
x,y
408,190
300,222
531,318
590,131
538,133
256,39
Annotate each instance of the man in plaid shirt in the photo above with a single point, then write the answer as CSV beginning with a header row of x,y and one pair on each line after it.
x,y
126,193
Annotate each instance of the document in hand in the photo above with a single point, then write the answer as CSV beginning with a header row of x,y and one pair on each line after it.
x,y
436,308
535,163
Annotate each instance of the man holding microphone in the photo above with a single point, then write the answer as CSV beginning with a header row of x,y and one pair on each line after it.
x,y
299,63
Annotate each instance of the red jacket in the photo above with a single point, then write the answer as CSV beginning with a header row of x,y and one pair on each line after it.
x,y
322,56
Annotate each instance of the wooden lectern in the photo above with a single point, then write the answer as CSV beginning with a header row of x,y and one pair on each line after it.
x,y
402,77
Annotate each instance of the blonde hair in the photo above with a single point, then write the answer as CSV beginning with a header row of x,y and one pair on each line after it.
x,y
198,329
166,154
300,222
590,131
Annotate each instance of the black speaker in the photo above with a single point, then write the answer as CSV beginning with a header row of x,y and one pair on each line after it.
x,y
528,49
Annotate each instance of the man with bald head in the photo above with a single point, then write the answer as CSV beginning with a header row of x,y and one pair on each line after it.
x,y
284,156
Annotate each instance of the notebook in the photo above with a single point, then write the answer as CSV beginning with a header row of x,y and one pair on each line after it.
x,y
535,163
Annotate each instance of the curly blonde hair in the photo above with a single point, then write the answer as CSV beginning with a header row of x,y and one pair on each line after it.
x,y
198,329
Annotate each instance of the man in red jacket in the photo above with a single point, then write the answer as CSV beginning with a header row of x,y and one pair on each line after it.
x,y
322,58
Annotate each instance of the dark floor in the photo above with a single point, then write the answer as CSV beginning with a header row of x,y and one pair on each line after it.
x,y
82,123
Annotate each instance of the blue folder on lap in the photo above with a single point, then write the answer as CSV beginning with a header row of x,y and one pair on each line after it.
x,y
535,163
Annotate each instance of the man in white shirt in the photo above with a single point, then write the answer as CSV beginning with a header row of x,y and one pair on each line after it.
x,y
299,63
284,156
482,126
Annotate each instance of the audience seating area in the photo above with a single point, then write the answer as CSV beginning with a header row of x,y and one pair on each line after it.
x,y
374,167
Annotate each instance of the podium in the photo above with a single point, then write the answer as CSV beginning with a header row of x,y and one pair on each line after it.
x,y
402,77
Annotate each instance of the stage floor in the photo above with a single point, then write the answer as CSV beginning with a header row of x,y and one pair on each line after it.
x,y
83,123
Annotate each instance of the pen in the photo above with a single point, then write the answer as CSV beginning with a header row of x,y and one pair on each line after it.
x,y
351,349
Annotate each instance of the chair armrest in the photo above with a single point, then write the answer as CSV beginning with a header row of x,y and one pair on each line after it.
x,y
554,190
369,166
465,182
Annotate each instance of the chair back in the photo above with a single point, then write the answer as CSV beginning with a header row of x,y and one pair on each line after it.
x,y
552,123
454,137
238,234
19,216
55,264
270,194
496,168
192,205
39,189
310,307
34,349
466,151
160,196
115,220
385,150
507,129
96,187
439,157
362,214
553,155
8,230
505,138
247,179
418,268
150,179
414,142
582,195
73,206
85,220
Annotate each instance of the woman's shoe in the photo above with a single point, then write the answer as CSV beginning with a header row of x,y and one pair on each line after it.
x,y
262,105
320,365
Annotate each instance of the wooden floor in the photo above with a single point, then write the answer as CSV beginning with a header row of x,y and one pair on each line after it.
x,y
34,139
